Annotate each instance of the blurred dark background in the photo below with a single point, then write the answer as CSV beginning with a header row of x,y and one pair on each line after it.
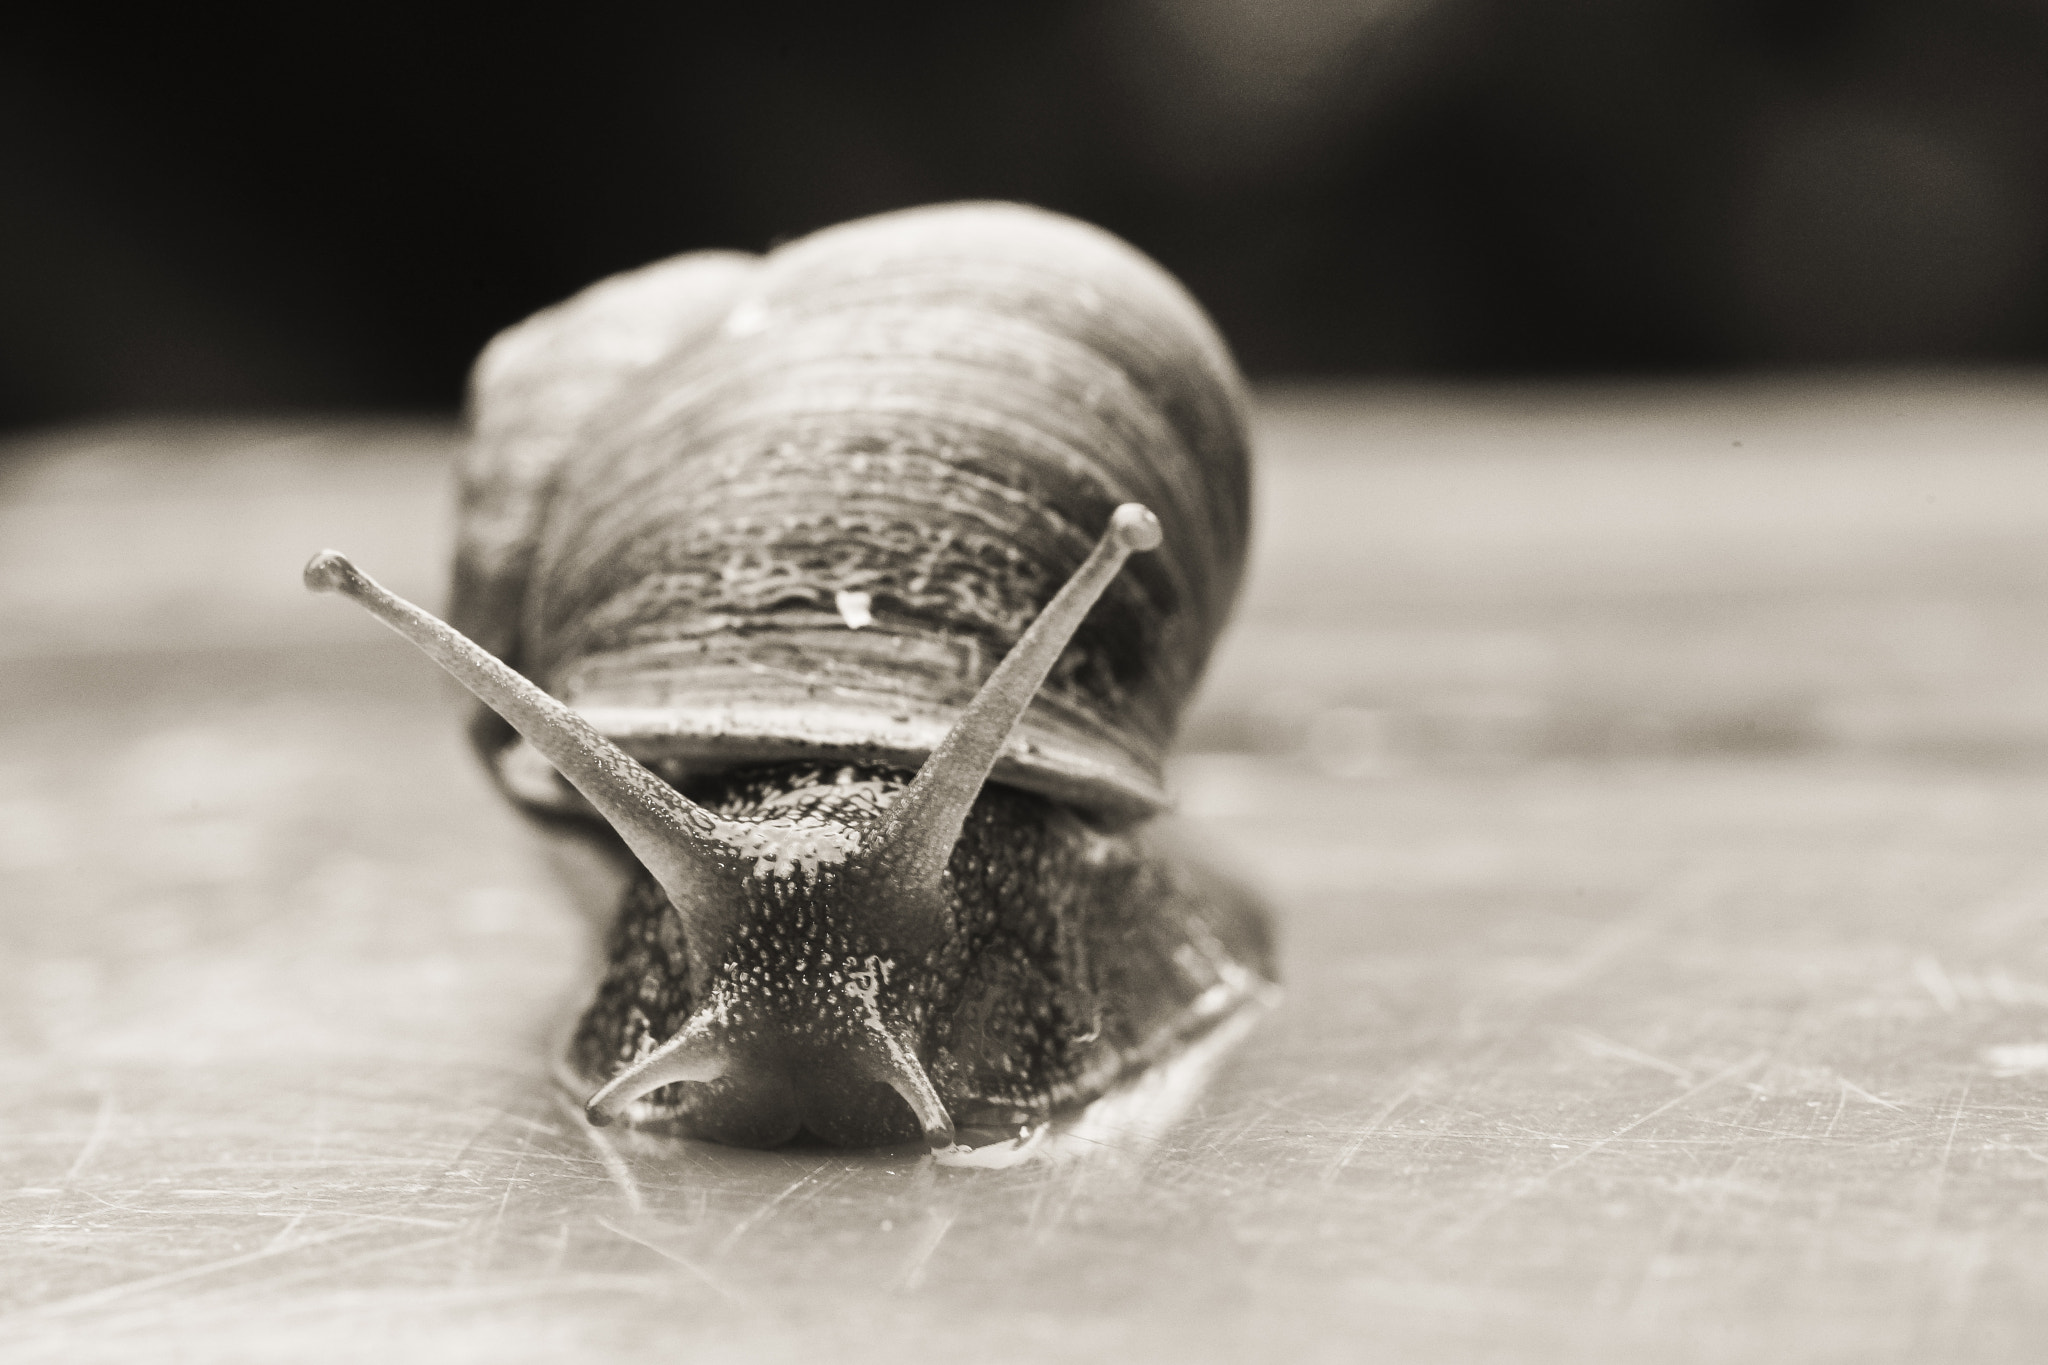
x,y
325,206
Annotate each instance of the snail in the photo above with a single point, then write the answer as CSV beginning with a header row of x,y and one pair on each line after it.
x,y
797,585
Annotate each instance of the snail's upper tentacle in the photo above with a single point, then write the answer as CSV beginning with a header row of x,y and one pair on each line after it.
x,y
673,836
914,839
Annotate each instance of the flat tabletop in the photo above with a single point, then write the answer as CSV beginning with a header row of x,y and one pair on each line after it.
x,y
1651,784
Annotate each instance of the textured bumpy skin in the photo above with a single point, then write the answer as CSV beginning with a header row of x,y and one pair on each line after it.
x,y
1076,958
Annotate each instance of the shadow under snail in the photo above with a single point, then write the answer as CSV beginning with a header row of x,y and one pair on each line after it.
x,y
798,584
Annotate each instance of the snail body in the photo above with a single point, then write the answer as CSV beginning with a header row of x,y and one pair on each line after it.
x,y
799,583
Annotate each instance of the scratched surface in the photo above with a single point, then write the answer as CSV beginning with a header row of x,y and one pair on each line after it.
x,y
1653,784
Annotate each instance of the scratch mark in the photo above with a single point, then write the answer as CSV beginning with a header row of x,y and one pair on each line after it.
x,y
1601,1046
1531,1186
284,1233
512,1181
1850,1087
120,1202
92,1140
404,1219
741,1228
1749,1063
936,1227
1841,1103
711,1281
265,1291
1948,1148
1372,1125
1602,948
614,1164
532,1125
130,1288
351,1160
498,1221
1222,1138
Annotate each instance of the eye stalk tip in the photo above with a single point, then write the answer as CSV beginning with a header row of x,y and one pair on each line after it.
x,y
1135,527
596,1117
330,571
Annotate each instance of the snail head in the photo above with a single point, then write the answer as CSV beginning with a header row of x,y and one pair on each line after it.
x,y
812,932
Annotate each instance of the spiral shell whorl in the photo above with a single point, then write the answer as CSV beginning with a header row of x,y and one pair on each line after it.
x,y
932,413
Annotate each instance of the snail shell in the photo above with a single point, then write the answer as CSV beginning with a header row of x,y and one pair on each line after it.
x,y
924,417
768,565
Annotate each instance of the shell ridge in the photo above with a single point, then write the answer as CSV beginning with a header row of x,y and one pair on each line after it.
x,y
934,413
